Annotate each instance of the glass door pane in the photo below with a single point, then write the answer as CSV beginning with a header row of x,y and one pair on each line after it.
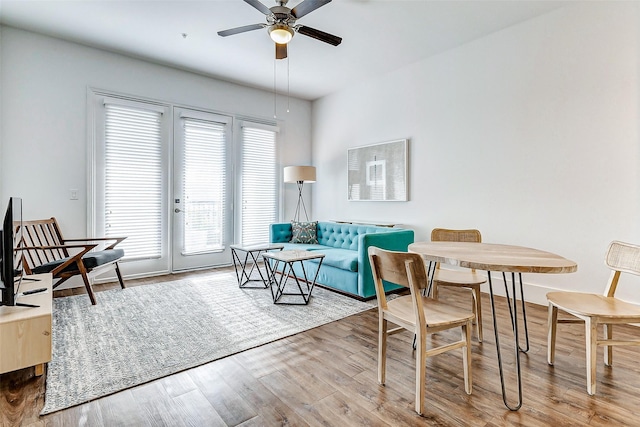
x,y
202,204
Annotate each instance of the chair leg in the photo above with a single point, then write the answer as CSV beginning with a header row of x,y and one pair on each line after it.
x,y
477,310
87,285
552,326
466,357
591,336
421,362
382,349
119,276
608,349
473,305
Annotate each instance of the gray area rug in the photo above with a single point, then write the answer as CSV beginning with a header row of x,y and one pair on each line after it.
x,y
142,333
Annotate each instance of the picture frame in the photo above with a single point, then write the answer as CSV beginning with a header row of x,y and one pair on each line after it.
x,y
378,172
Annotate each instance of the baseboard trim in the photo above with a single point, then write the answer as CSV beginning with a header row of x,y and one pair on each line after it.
x,y
535,294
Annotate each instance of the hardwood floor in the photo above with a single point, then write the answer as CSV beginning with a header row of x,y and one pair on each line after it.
x,y
327,377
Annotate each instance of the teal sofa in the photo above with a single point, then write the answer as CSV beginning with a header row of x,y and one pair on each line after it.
x,y
345,267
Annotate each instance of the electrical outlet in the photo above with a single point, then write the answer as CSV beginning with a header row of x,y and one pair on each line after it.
x,y
73,194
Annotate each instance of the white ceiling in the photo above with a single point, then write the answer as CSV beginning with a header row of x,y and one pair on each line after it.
x,y
378,35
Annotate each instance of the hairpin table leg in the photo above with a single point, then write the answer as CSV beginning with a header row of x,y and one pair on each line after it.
x,y
524,312
431,272
514,325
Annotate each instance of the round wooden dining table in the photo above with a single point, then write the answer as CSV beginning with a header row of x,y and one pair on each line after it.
x,y
507,259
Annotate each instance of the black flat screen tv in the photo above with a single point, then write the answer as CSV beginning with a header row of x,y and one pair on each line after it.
x,y
10,253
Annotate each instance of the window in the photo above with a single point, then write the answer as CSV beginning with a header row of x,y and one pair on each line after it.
x,y
259,182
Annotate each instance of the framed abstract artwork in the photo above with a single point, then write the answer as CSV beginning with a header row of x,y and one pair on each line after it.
x,y
378,172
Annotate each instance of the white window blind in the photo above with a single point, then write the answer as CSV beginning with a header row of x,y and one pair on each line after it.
x,y
259,184
204,186
133,179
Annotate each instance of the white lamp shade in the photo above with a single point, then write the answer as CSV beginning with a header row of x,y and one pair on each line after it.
x,y
293,174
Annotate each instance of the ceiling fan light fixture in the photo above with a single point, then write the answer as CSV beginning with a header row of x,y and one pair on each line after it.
x,y
281,34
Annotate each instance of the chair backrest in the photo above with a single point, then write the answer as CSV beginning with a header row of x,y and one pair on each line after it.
x,y
446,235
401,268
621,258
43,232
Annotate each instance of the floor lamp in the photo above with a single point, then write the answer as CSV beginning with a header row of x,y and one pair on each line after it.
x,y
299,175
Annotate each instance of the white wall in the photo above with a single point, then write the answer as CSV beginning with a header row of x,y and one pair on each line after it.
x,y
530,134
43,132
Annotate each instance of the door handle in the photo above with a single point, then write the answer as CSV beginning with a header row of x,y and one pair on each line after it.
x,y
177,210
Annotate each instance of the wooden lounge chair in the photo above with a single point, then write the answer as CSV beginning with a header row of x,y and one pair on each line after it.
x,y
46,251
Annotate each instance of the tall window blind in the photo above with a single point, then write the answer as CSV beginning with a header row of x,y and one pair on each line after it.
x,y
259,184
204,186
133,179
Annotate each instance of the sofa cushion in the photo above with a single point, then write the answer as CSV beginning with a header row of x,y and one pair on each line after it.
x,y
345,259
302,247
90,260
304,232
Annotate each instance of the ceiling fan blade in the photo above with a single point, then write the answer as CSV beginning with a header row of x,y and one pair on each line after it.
x,y
281,51
238,30
319,35
261,7
307,6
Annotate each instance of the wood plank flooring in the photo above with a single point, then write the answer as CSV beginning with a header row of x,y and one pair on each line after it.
x,y
327,377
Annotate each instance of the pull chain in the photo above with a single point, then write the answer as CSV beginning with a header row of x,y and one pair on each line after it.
x,y
275,94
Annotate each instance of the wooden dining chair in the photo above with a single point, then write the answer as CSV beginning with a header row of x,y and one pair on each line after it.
x,y
415,313
594,309
460,278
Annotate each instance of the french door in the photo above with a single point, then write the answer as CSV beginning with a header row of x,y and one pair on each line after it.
x,y
128,185
169,178
202,190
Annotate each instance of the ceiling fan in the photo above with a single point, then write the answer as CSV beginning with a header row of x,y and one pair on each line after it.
x,y
281,24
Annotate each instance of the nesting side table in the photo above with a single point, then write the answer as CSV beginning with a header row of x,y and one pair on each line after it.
x,y
273,260
251,252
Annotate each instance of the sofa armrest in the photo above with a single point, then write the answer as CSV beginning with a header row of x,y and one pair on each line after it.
x,y
392,241
280,232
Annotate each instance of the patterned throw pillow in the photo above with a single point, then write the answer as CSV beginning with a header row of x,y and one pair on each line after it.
x,y
304,232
